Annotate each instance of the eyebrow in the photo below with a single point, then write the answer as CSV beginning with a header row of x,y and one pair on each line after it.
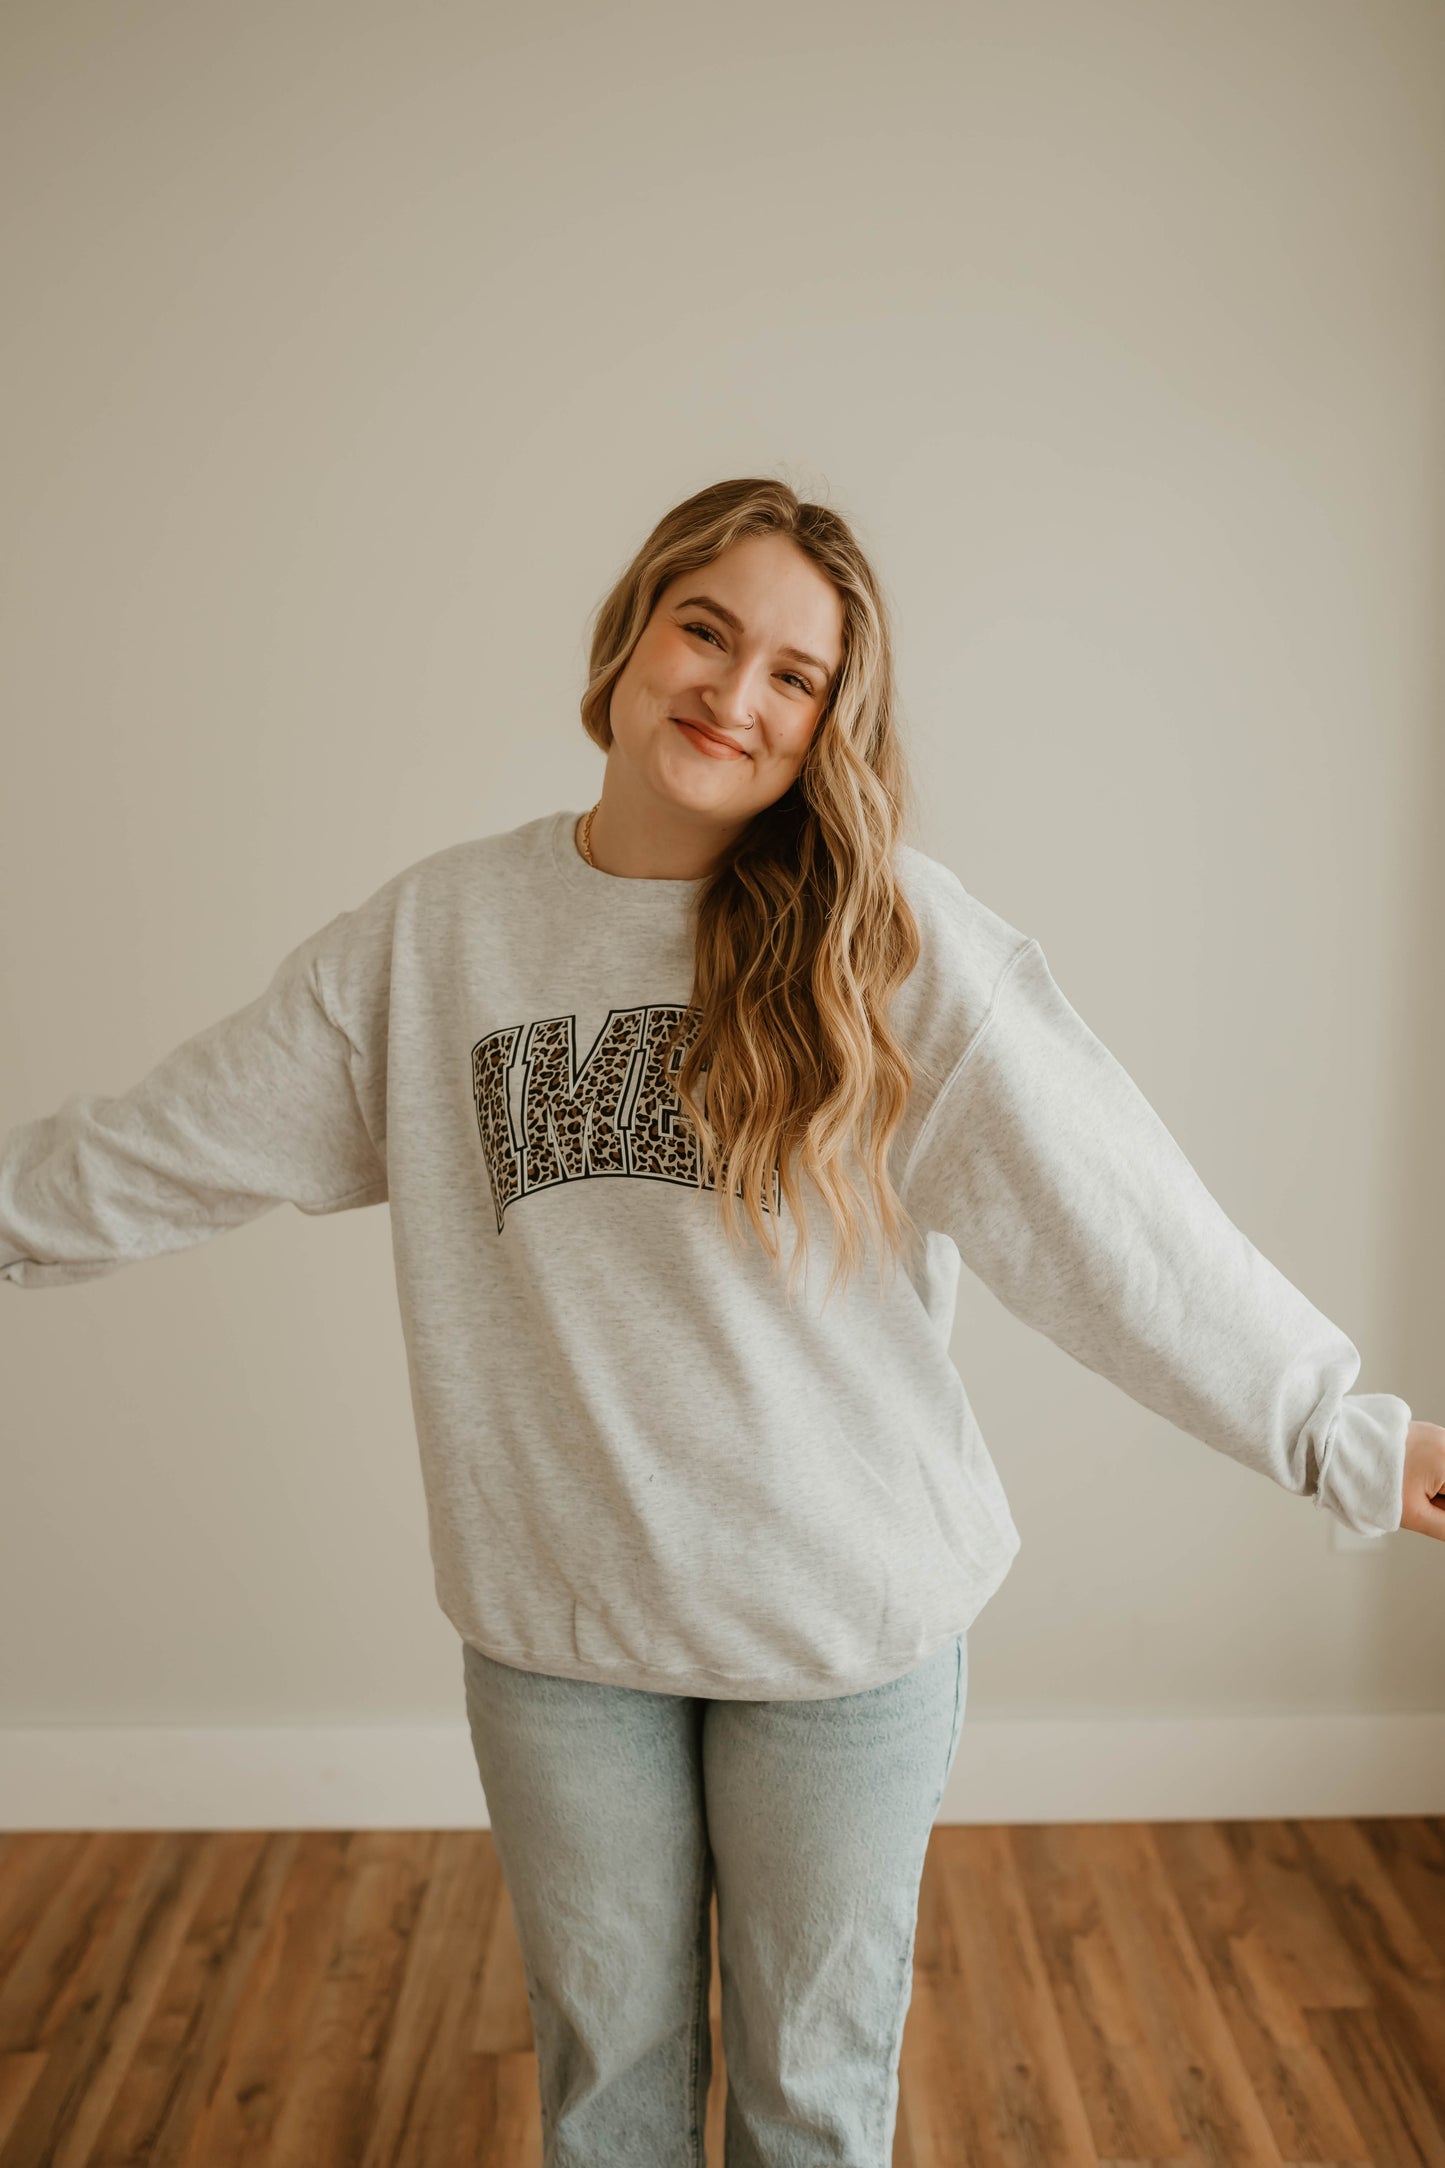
x,y
729,617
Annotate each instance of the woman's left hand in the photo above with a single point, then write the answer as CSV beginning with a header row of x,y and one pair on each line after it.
x,y
1424,1484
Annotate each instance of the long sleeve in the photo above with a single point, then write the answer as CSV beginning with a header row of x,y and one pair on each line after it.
x,y
275,1103
1063,1190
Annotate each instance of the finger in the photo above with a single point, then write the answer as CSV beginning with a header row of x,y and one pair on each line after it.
x,y
1424,1518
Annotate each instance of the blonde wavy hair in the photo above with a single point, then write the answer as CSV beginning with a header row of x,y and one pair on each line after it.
x,y
802,934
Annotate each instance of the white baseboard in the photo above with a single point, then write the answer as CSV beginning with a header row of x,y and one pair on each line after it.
x,y
424,1777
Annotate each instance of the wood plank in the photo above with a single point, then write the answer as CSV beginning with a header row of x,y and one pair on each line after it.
x,y
69,1985
1259,1995
33,1868
180,2053
19,2076
1388,2103
1404,1967
1019,2097
435,2080
328,2087
1411,1850
935,2102
145,1943
38,1986
1314,1960
1208,2083
238,2114
1124,2089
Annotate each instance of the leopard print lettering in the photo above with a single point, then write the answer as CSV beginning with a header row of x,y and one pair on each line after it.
x,y
619,1114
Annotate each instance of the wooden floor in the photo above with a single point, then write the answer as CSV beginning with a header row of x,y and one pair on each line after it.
x,y
1247,1993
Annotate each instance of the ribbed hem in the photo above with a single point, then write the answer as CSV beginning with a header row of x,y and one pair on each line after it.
x,y
1362,1473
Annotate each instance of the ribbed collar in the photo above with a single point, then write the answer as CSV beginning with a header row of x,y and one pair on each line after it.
x,y
614,890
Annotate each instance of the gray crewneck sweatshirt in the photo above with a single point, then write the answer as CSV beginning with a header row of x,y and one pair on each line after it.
x,y
641,1466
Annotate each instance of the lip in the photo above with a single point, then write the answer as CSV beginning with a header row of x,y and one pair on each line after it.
x,y
706,739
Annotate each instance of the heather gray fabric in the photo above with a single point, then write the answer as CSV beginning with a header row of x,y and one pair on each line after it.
x,y
641,1467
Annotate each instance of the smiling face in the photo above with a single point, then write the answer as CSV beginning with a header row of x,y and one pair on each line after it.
x,y
757,633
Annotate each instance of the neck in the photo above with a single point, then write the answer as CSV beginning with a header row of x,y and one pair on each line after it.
x,y
651,843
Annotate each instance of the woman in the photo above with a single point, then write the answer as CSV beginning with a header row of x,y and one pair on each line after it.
x,y
713,1540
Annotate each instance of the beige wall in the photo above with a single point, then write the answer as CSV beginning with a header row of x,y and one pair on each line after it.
x,y
349,352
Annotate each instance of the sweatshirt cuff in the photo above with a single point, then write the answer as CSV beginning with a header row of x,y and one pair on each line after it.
x,y
1362,1471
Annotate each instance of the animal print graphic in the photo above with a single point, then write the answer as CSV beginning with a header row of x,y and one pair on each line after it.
x,y
543,1120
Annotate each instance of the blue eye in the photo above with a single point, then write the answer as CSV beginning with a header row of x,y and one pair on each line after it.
x,y
801,683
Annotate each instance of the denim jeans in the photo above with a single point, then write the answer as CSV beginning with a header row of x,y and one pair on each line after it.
x,y
615,1812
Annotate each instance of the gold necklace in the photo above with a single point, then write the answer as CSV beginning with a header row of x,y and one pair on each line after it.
x,y
587,836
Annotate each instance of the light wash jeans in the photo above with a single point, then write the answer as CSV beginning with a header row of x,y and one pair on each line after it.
x,y
612,1812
